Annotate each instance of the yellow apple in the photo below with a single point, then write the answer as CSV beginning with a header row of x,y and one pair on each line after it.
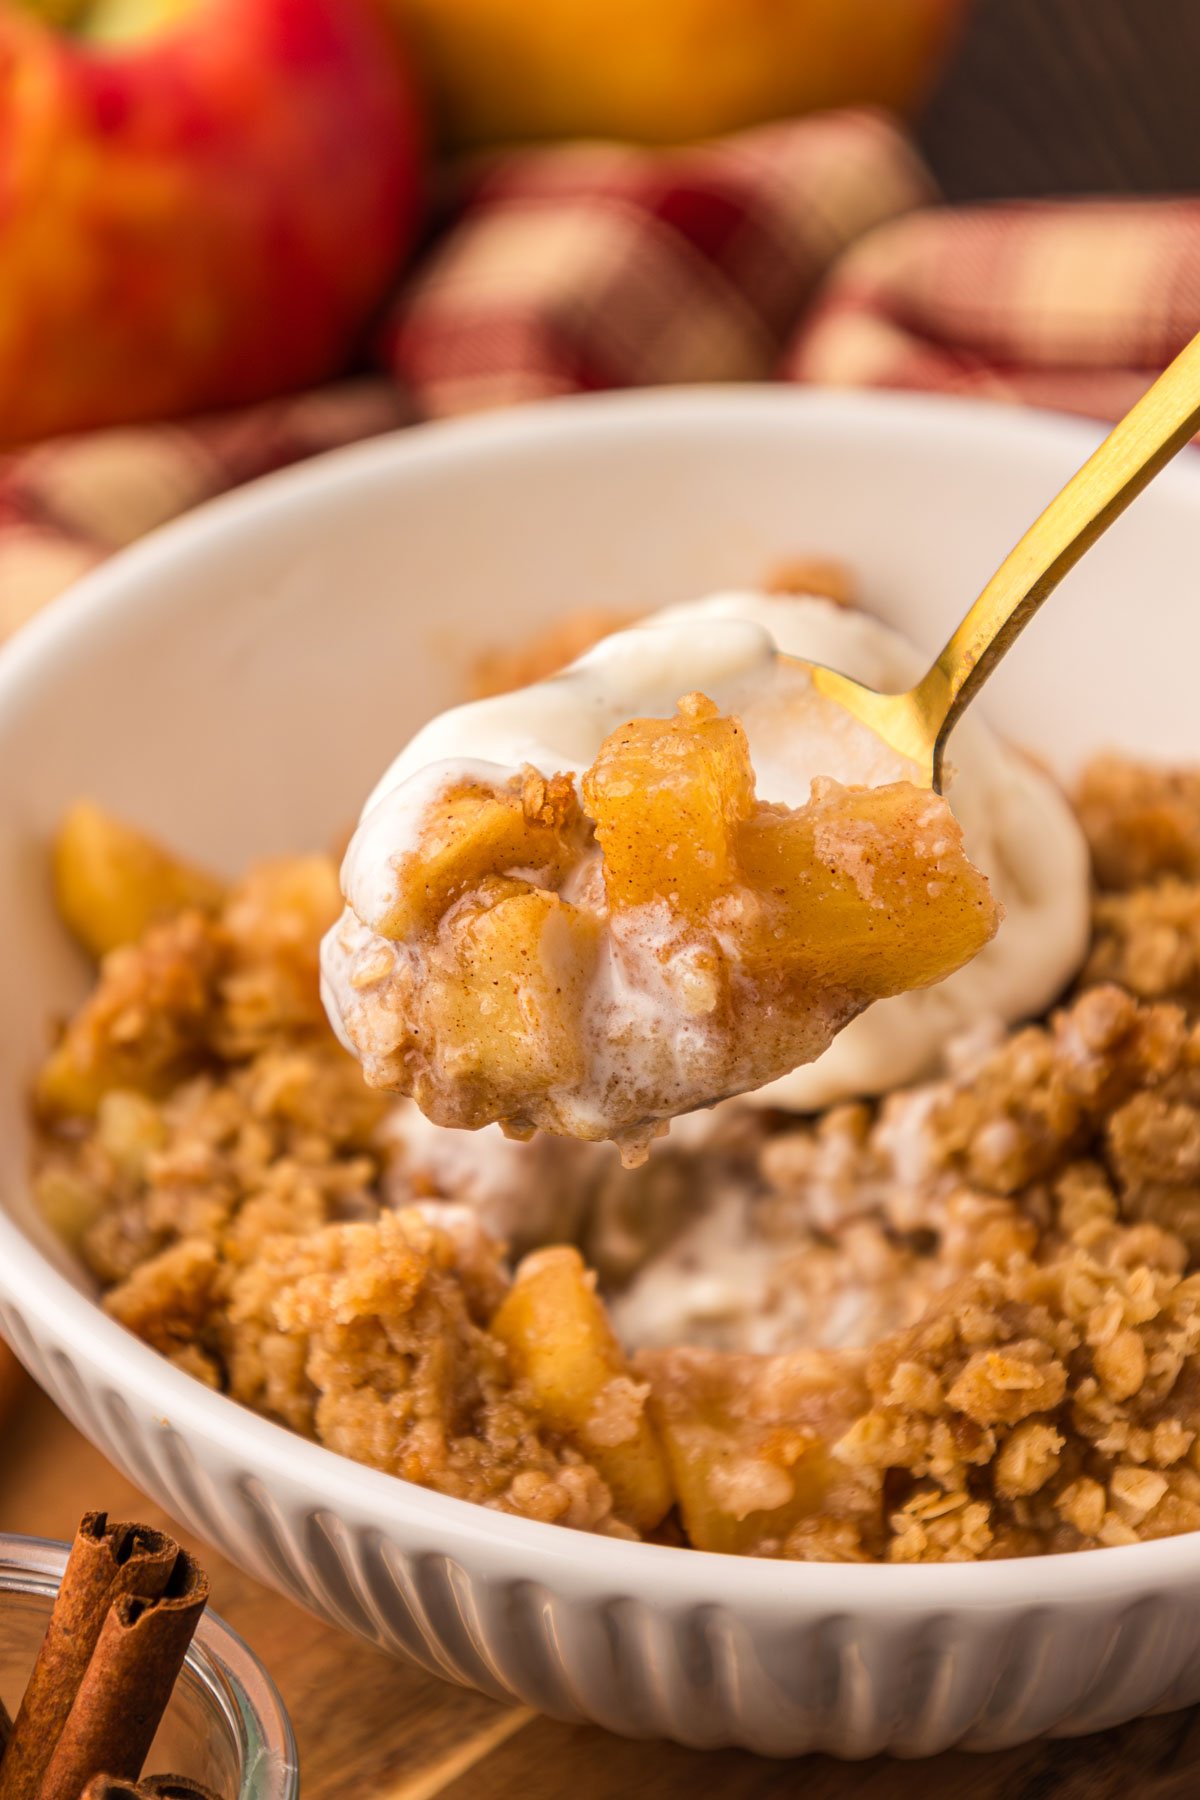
x,y
662,71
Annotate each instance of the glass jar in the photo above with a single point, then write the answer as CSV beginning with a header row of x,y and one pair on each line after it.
x,y
226,1725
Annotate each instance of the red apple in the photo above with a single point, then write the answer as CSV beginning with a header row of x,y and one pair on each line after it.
x,y
204,214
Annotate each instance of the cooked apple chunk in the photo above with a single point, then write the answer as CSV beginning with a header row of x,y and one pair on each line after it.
x,y
751,1442
561,1345
594,969
509,1008
478,830
112,882
668,797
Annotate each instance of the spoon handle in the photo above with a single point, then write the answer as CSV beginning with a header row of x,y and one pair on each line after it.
x,y
1132,454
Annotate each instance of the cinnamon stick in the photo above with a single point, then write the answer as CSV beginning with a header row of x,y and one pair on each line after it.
x,y
106,1563
155,1787
128,1683
12,1380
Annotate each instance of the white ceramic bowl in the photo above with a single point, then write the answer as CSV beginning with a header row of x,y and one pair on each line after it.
x,y
237,682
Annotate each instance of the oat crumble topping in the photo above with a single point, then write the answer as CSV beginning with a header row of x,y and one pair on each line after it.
x,y
973,1325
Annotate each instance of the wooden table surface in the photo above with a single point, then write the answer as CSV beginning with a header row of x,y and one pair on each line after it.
x,y
375,1729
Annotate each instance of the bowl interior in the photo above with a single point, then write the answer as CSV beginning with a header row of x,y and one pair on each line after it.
x,y
238,682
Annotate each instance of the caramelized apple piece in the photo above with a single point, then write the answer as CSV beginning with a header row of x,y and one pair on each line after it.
x,y
749,1440
667,797
476,831
866,889
111,882
505,995
562,1346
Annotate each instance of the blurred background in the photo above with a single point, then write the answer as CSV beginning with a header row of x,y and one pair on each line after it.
x,y
237,232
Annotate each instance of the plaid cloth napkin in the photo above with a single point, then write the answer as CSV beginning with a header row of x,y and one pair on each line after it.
x,y
1074,304
813,250
603,266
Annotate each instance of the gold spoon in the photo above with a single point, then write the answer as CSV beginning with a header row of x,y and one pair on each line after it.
x,y
918,723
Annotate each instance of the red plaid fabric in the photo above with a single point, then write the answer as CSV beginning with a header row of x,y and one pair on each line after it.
x,y
591,266
600,266
68,503
1074,304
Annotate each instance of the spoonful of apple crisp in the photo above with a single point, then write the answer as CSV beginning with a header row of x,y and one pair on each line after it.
x,y
677,870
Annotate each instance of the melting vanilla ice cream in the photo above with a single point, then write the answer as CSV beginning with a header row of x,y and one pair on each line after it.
x,y
1016,824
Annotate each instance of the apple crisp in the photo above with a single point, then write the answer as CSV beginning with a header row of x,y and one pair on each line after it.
x,y
962,1322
